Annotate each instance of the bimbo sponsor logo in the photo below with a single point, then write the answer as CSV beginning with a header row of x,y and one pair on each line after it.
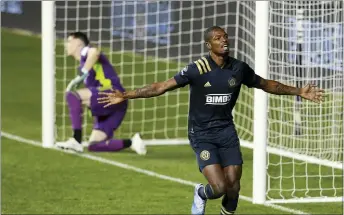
x,y
217,99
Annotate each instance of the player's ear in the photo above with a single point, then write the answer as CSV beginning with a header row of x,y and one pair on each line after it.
x,y
208,45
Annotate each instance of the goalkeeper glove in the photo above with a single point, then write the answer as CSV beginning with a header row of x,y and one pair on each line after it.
x,y
77,80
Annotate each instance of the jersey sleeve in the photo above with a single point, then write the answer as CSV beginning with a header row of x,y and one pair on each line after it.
x,y
186,75
249,77
84,52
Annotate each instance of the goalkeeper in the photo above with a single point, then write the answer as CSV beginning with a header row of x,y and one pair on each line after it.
x,y
215,81
98,75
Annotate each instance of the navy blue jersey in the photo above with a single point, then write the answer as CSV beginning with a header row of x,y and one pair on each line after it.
x,y
214,91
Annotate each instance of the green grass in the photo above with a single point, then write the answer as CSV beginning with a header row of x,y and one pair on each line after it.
x,y
39,181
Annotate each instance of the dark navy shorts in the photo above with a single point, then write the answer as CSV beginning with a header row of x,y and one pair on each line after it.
x,y
220,147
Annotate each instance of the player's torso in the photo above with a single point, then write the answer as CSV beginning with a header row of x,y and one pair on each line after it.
x,y
216,88
102,75
212,96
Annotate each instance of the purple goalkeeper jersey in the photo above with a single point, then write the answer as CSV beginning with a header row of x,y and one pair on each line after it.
x,y
103,75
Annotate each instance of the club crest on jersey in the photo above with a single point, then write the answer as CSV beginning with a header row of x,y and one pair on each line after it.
x,y
217,99
205,155
232,82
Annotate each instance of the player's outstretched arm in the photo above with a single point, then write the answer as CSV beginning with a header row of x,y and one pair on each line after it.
x,y
310,91
152,90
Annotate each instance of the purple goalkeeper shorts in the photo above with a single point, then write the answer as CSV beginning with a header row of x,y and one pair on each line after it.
x,y
98,109
107,119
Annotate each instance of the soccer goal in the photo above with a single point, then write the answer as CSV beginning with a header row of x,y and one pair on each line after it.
x,y
301,141
297,145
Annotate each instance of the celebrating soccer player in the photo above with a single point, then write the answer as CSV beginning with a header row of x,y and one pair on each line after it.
x,y
215,81
98,75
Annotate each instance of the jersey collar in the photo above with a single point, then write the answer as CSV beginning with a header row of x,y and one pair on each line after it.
x,y
214,63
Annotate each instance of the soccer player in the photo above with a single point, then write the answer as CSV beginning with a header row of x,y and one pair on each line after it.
x,y
98,75
215,81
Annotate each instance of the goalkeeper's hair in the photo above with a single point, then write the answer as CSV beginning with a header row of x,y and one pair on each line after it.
x,y
207,33
81,36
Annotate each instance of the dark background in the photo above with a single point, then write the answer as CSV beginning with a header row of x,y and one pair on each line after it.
x,y
180,37
185,38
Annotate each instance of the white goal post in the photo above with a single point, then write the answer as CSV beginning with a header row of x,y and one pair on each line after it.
x,y
48,73
297,145
260,103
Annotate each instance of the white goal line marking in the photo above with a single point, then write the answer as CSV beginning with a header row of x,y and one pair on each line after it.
x,y
139,170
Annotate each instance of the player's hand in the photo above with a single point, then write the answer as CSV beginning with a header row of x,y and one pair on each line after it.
x,y
75,82
112,98
70,86
313,93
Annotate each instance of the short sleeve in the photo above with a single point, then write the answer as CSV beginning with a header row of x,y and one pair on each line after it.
x,y
249,77
84,51
186,75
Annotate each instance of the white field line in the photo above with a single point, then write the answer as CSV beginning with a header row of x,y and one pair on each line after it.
x,y
139,170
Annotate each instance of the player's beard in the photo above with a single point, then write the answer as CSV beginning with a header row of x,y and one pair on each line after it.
x,y
222,51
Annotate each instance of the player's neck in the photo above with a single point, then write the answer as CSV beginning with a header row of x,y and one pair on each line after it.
x,y
77,57
218,59
77,54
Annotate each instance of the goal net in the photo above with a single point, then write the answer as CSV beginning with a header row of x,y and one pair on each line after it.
x,y
306,46
150,41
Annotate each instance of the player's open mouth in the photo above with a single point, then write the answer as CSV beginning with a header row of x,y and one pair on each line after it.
x,y
225,47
